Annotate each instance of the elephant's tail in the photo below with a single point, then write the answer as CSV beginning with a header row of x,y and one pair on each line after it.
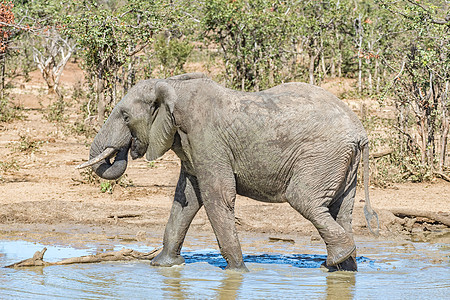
x,y
369,213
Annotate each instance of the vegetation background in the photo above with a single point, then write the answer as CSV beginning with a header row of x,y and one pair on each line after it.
x,y
394,55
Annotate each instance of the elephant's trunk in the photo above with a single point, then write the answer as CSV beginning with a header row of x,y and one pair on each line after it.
x,y
110,142
104,168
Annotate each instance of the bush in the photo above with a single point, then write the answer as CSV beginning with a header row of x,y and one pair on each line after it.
x,y
8,112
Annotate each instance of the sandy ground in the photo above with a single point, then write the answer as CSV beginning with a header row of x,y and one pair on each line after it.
x,y
44,198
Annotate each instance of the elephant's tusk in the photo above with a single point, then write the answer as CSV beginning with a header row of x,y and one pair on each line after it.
x,y
104,155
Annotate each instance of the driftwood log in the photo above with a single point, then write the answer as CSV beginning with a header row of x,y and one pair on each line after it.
x,y
443,218
122,255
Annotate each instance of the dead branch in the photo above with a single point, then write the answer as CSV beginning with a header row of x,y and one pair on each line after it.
x,y
443,218
442,175
126,215
277,239
122,255
381,154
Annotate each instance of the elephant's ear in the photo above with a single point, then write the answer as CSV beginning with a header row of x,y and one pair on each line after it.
x,y
162,130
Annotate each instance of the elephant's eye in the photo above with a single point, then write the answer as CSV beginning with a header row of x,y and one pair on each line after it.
x,y
126,118
154,110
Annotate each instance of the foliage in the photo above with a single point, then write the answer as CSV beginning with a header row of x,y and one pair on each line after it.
x,y
27,144
89,177
108,186
9,112
172,54
109,37
6,18
7,21
421,85
251,35
19,61
83,124
396,52
8,166
55,111
152,164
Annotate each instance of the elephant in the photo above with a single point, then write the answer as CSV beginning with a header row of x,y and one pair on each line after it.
x,y
294,143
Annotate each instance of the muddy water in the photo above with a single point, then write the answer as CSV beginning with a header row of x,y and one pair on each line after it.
x,y
387,270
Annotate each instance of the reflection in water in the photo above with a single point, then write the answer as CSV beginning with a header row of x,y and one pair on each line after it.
x,y
179,285
173,282
230,285
341,285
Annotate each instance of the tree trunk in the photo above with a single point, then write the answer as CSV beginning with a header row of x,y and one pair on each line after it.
x,y
101,102
360,73
333,67
423,136
2,74
376,74
359,32
444,141
311,69
445,128
322,60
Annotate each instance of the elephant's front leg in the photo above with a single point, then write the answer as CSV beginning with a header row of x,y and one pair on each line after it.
x,y
219,195
185,206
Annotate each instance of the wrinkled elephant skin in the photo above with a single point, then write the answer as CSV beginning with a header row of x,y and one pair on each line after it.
x,y
292,143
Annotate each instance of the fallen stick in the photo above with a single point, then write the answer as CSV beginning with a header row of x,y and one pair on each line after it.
x,y
441,218
442,175
123,216
121,255
277,239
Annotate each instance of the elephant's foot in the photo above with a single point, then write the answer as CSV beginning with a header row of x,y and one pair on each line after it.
x,y
338,254
165,260
237,267
347,265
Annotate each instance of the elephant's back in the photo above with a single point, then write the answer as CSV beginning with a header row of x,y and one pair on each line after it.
x,y
300,108
303,97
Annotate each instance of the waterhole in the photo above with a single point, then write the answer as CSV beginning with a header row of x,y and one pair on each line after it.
x,y
387,270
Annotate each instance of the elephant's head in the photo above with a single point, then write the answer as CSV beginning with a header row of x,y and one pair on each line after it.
x,y
141,123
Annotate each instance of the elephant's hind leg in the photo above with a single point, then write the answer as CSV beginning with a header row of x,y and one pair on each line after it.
x,y
341,210
313,203
185,206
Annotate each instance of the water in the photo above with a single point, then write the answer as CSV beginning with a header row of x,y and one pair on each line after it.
x,y
387,270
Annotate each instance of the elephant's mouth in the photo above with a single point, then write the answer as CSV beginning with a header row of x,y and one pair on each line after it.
x,y
105,155
101,164
137,148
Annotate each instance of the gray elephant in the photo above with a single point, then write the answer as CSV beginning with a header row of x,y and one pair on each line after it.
x,y
292,143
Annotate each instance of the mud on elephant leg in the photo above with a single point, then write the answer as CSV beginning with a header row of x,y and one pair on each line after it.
x,y
185,206
341,210
339,243
347,265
